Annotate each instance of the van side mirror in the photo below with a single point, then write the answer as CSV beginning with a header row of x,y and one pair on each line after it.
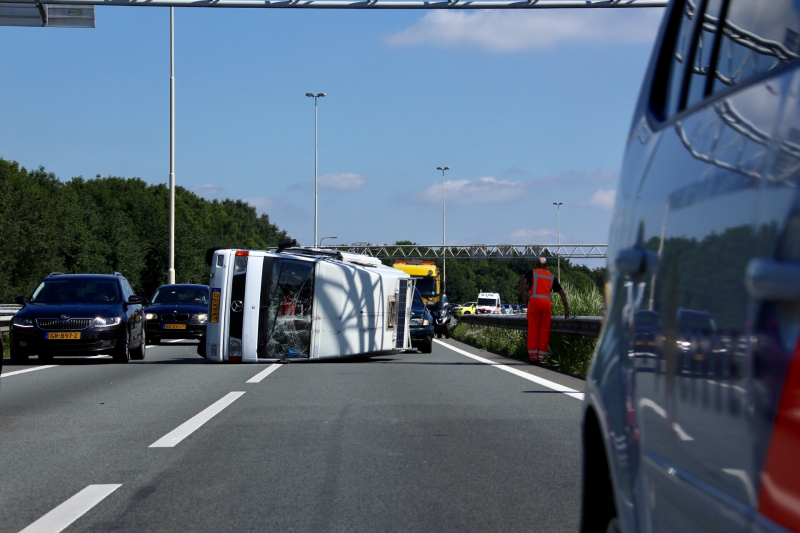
x,y
19,300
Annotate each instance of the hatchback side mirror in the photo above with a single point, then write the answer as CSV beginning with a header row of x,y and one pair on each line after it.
x,y
19,300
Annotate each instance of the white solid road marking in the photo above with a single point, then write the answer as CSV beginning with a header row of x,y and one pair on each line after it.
x,y
69,511
172,438
264,373
9,374
530,377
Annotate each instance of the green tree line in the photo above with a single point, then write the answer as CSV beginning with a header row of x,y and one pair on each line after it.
x,y
113,224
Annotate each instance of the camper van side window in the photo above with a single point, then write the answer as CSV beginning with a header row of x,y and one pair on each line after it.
x,y
391,315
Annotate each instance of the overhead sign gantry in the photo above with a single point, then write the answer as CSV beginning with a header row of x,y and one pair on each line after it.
x,y
80,13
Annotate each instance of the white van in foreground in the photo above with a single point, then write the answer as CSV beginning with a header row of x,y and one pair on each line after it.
x,y
304,303
488,302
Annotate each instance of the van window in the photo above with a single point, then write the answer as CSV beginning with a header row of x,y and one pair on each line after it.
x,y
704,52
758,36
678,58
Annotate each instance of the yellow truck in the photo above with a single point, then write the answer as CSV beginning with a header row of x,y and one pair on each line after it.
x,y
427,275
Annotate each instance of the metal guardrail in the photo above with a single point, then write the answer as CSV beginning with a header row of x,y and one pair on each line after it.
x,y
7,313
588,326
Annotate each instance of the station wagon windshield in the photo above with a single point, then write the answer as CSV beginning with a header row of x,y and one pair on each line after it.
x,y
181,295
64,291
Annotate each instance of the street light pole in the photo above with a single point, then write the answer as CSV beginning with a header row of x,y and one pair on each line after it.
x,y
315,96
444,250
171,145
558,207
322,239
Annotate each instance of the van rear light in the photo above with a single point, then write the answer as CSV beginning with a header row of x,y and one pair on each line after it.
x,y
244,253
779,498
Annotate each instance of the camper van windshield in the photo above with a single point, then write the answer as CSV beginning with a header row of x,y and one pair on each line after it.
x,y
427,286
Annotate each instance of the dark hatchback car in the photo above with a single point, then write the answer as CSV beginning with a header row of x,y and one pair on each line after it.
x,y
78,315
421,325
691,415
177,312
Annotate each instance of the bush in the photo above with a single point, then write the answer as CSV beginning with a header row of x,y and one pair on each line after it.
x,y
569,353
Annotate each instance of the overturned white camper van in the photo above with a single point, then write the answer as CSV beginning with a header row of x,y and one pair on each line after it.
x,y
303,304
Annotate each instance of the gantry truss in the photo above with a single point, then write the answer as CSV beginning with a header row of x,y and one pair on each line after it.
x,y
474,251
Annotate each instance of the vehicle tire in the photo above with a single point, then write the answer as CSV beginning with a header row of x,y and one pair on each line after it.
x,y
155,341
427,346
598,509
45,358
446,333
122,352
17,357
139,353
467,313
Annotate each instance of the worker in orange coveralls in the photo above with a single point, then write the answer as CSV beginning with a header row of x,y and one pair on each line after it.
x,y
535,287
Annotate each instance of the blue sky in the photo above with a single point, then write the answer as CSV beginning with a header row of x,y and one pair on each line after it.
x,y
527,108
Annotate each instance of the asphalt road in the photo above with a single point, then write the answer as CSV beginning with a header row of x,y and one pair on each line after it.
x,y
413,442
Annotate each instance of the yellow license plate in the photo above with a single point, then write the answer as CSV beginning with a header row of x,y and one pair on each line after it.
x,y
215,305
63,335
174,326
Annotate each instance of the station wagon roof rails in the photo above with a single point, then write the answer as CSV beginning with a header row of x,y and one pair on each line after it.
x,y
51,274
118,274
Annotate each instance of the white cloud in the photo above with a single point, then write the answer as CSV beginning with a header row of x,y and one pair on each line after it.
x,y
501,30
603,198
490,190
533,236
208,190
278,208
342,181
487,190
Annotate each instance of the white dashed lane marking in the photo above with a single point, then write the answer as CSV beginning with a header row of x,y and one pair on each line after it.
x,y
264,373
62,516
175,436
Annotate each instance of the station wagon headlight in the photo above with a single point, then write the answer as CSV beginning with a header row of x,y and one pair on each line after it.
x,y
104,321
416,322
23,322
202,318
151,316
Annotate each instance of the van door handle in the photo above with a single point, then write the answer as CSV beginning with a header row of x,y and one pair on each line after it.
x,y
771,280
637,262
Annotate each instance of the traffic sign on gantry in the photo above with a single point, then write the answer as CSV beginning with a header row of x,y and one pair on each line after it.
x,y
46,15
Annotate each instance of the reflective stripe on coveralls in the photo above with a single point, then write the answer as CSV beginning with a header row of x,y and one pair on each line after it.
x,y
539,314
